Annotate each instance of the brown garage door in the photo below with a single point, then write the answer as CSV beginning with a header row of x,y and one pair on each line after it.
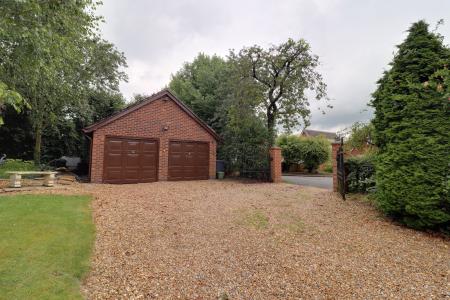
x,y
130,160
188,160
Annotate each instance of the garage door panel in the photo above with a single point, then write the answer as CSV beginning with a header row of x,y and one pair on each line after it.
x,y
202,147
188,160
148,159
203,159
114,159
114,174
149,174
176,159
151,146
176,147
114,145
176,173
131,174
149,163
203,172
202,154
130,160
189,172
189,147
132,146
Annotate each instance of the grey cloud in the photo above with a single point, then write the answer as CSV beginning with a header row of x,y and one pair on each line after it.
x,y
355,40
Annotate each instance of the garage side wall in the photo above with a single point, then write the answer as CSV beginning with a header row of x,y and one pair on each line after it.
x,y
161,119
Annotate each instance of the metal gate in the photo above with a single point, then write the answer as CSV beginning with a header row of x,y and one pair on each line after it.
x,y
341,169
255,163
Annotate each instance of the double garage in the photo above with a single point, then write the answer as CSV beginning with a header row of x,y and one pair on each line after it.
x,y
129,160
159,138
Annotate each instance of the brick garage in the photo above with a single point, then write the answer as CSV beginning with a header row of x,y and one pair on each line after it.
x,y
159,138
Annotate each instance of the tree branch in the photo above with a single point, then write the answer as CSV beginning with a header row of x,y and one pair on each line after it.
x,y
254,75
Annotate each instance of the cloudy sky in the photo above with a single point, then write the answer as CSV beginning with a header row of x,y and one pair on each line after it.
x,y
355,40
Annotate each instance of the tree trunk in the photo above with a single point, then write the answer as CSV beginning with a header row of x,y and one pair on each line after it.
x,y
271,127
37,143
271,112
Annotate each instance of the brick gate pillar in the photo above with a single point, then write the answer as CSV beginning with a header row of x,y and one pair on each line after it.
x,y
334,151
275,164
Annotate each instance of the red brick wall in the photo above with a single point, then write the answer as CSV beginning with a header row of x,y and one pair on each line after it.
x,y
275,164
148,122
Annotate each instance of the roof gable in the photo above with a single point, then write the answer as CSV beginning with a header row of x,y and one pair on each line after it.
x,y
134,107
315,133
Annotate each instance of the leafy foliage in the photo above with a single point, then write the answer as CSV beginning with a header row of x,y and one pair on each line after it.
x,y
245,135
205,85
211,87
52,55
281,74
412,131
16,136
361,135
328,166
10,98
63,137
137,98
315,151
291,148
360,173
245,96
16,165
310,151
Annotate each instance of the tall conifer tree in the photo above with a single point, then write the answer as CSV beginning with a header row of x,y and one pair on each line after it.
x,y
412,131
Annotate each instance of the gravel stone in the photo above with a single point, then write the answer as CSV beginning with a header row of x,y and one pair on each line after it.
x,y
198,240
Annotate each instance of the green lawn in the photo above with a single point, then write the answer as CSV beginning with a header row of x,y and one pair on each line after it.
x,y
45,245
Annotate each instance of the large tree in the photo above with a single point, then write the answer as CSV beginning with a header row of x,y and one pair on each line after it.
x,y
62,137
246,95
204,85
412,131
52,55
245,136
283,74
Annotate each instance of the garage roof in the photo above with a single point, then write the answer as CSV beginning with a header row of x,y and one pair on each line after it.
x,y
159,95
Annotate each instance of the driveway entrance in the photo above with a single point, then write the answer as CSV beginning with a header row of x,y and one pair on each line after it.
x,y
323,182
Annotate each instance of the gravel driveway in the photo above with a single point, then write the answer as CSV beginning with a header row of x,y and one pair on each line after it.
x,y
229,240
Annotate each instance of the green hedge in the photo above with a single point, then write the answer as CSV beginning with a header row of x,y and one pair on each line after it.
x,y
360,172
309,151
16,165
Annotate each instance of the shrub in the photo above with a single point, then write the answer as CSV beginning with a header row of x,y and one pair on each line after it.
x,y
360,172
290,148
244,145
311,152
16,165
328,167
314,152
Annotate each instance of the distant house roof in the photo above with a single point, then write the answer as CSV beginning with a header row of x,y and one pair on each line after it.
x,y
315,133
